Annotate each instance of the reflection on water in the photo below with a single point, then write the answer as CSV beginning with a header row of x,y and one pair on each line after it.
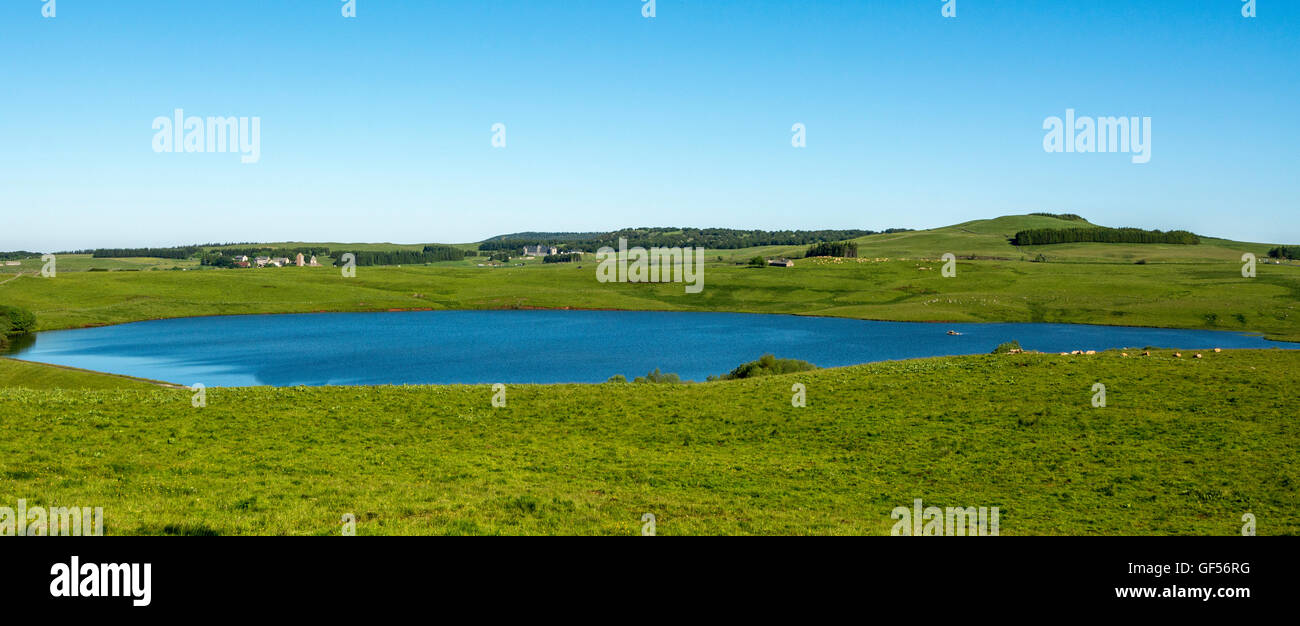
x,y
427,347
19,343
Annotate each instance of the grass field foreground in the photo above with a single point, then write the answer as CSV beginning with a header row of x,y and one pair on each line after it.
x,y
1184,446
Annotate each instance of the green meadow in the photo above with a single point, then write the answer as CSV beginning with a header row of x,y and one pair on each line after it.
x,y
896,277
1184,446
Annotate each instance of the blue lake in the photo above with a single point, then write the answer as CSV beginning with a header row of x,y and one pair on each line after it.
x,y
423,347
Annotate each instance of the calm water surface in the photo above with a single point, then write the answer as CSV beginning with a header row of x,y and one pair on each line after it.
x,y
424,347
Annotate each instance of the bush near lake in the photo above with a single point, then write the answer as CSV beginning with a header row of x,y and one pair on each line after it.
x,y
1006,348
14,320
767,365
659,377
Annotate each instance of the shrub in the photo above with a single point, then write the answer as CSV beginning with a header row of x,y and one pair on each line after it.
x,y
758,261
767,365
658,377
1007,347
617,378
16,320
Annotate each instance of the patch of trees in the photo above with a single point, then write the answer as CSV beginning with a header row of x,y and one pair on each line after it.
x,y
216,259
833,248
14,321
562,258
767,365
288,253
1069,217
659,377
17,254
714,238
653,377
404,257
1048,236
446,253
182,252
1285,252
1008,347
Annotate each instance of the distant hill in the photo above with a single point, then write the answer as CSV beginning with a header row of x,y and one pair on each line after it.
x,y
992,238
708,238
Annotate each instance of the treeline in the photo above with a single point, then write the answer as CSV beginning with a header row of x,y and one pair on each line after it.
x,y
17,254
225,258
713,238
560,258
307,251
183,252
447,253
406,257
1047,236
833,248
1069,217
1285,252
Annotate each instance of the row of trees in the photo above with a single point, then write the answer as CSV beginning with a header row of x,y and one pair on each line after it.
x,y
1069,217
446,253
713,238
183,252
407,257
1285,252
833,248
561,258
288,253
17,254
1047,236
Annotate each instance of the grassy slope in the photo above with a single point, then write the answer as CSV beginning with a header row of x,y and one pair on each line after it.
x,y
1207,294
1184,446
20,374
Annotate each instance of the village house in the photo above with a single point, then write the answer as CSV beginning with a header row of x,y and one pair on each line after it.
x,y
540,250
261,261
780,262
299,261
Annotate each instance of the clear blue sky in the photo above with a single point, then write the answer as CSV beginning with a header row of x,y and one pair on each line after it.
x,y
378,128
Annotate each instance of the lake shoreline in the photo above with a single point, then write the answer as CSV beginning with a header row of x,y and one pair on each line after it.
x,y
551,345
579,308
